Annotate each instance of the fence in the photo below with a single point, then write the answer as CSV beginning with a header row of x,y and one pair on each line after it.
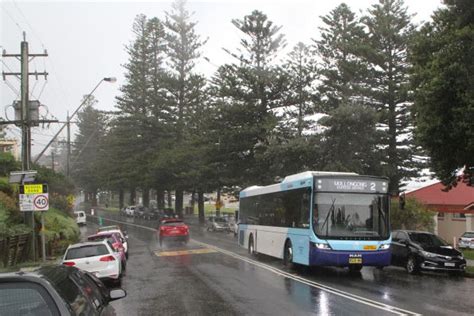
x,y
14,249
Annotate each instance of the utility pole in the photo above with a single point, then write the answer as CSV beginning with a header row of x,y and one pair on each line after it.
x,y
25,120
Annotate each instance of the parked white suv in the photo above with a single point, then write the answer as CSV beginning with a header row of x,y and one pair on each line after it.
x,y
80,217
98,258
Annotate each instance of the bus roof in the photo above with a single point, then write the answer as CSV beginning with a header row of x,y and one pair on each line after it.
x,y
310,174
303,176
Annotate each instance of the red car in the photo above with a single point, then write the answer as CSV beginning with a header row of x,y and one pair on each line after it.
x,y
173,229
115,240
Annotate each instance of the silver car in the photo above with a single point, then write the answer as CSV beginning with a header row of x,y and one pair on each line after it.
x,y
466,241
217,224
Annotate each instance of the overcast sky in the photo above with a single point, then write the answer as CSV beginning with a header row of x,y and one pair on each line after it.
x,y
85,42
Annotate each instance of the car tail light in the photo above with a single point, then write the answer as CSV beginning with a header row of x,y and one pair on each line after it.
x,y
107,258
69,263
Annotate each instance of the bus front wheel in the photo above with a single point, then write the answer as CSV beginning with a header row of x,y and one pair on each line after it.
x,y
288,255
355,268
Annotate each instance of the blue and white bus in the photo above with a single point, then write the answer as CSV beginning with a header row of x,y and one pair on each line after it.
x,y
319,219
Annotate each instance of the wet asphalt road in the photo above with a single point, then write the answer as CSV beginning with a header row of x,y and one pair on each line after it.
x,y
227,281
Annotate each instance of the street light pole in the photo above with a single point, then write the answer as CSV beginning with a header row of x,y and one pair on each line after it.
x,y
108,79
68,158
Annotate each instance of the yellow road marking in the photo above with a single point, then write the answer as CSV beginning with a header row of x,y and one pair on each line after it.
x,y
184,252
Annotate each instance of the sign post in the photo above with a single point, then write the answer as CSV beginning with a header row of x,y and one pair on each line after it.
x,y
35,198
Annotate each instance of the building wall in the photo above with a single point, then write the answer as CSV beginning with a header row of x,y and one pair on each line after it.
x,y
10,146
450,228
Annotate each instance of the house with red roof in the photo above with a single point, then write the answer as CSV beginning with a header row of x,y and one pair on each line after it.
x,y
454,208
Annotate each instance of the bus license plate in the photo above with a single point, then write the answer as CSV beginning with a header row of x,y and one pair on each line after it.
x,y
355,260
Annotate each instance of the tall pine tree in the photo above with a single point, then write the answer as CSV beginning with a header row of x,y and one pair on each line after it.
x,y
248,91
350,138
389,32
184,91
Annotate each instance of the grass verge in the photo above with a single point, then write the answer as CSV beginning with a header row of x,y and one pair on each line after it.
x,y
468,254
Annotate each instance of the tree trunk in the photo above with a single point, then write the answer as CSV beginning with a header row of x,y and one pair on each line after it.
x,y
146,197
160,199
179,202
121,199
218,203
94,198
201,207
170,205
86,197
133,196
192,201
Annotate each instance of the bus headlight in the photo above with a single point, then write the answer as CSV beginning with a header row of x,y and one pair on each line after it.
x,y
384,247
322,246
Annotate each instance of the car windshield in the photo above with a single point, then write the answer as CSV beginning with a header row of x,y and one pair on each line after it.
x,y
468,235
427,240
86,251
351,216
176,223
109,238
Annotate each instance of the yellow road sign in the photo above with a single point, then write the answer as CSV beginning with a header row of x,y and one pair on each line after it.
x,y
33,188
184,252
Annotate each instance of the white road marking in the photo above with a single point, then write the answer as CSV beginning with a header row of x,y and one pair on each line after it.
x,y
350,296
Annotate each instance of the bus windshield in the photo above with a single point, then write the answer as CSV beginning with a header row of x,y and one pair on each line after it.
x,y
351,216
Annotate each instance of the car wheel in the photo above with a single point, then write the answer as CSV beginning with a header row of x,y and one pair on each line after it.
x,y
355,268
412,266
288,255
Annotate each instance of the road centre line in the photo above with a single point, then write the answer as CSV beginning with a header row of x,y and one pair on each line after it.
x,y
341,293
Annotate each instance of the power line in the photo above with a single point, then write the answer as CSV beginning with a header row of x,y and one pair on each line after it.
x,y
13,20
28,23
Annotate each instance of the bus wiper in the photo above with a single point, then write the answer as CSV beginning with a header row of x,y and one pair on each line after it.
x,y
331,209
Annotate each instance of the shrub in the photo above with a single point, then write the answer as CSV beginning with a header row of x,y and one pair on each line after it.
x,y
415,216
7,163
5,187
9,210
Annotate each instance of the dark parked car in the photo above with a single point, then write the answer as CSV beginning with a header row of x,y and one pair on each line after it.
x,y
55,290
150,214
418,251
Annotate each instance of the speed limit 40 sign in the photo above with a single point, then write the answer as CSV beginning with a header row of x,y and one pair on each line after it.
x,y
41,202
34,202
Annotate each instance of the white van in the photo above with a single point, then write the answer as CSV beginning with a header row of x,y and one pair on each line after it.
x,y
80,217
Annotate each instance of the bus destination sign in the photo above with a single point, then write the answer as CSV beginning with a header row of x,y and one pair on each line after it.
x,y
352,185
